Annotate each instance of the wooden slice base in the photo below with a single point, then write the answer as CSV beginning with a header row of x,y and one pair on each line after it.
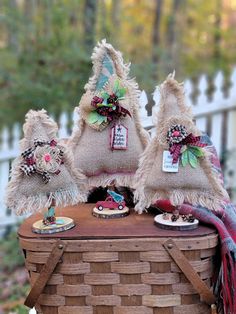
x,y
107,213
174,225
39,227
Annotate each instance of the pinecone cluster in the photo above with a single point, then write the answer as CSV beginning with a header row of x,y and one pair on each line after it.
x,y
176,134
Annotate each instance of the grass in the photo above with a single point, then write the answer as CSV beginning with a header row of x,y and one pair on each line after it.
x,y
14,284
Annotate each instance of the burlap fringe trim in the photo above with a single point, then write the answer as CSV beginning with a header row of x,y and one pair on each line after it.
x,y
127,180
76,132
145,165
29,204
37,203
177,198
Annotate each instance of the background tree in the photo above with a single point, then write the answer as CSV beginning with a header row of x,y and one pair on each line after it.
x,y
217,33
172,36
89,21
45,46
156,37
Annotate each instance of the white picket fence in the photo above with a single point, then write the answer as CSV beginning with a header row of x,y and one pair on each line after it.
x,y
215,115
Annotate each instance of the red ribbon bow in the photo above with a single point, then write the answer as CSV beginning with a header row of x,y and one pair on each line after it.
x,y
110,113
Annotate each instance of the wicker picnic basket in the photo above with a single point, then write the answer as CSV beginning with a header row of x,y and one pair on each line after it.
x,y
119,266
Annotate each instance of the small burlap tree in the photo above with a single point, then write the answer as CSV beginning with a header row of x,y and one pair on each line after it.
x,y
44,173
175,165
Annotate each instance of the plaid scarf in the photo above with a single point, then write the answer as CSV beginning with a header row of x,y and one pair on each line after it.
x,y
225,223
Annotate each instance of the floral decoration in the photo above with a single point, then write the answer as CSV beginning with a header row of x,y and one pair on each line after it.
x,y
44,158
47,158
184,146
176,134
107,107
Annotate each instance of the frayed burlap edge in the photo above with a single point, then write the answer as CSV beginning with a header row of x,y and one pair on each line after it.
x,y
76,132
177,198
77,174
76,192
212,199
29,204
105,179
32,118
145,165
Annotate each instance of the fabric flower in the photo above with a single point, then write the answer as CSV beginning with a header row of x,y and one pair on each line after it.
x,y
47,158
43,158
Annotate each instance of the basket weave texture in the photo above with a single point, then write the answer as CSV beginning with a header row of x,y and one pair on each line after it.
x,y
121,276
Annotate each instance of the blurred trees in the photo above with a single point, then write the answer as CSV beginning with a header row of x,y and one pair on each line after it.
x,y
45,45
156,36
89,21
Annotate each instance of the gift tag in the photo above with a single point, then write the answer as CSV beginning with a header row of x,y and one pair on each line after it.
x,y
119,137
167,165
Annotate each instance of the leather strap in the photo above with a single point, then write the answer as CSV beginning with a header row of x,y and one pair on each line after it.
x,y
45,274
189,272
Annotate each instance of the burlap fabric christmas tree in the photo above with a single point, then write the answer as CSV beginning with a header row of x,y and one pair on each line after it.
x,y
175,165
44,171
109,138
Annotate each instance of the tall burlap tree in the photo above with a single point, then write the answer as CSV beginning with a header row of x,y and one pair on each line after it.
x,y
109,138
175,165
44,172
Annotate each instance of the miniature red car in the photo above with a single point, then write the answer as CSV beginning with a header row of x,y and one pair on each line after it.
x,y
110,203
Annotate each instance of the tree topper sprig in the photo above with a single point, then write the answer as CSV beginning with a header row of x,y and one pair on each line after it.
x,y
107,106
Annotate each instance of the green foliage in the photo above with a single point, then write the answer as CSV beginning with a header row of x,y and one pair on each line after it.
x,y
14,285
44,62
184,158
192,159
190,156
50,67
197,151
20,309
94,118
11,255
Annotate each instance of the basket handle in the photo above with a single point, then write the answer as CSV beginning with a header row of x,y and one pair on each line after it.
x,y
189,272
45,274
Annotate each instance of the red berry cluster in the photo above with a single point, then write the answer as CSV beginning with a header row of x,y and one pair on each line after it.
x,y
112,113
